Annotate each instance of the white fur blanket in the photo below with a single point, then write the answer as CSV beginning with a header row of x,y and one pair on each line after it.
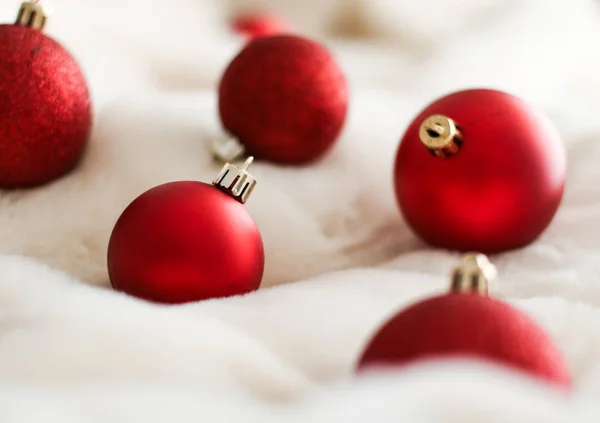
x,y
339,257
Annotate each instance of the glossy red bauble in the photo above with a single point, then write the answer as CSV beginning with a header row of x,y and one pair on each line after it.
x,y
499,191
466,325
256,25
185,241
284,98
45,108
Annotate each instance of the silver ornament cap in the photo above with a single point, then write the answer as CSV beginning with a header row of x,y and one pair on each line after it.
x,y
476,275
236,181
33,14
227,148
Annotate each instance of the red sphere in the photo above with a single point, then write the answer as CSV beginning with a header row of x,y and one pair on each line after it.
x,y
185,241
457,325
256,25
499,192
284,98
45,108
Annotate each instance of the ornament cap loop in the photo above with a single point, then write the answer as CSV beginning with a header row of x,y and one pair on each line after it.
x,y
474,275
441,136
236,181
32,14
227,148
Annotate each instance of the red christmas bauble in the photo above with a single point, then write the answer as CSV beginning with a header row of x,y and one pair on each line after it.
x,y
284,98
45,108
256,25
480,170
471,325
185,241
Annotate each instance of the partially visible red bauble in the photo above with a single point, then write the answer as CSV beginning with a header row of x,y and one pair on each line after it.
x,y
466,325
185,241
496,187
284,98
259,24
45,108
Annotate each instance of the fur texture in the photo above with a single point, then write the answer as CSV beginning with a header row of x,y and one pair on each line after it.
x,y
72,350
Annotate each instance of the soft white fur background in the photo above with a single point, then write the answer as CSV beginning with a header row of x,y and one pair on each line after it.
x,y
73,351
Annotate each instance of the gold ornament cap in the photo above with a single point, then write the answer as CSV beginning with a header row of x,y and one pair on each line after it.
x,y
236,181
474,275
227,148
32,14
441,136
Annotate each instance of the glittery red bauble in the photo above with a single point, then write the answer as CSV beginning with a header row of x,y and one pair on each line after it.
x,y
499,192
255,25
185,241
45,108
284,98
470,325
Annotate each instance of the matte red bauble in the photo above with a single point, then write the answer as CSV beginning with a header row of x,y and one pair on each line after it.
x,y
467,323
188,241
284,99
45,107
256,25
480,170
